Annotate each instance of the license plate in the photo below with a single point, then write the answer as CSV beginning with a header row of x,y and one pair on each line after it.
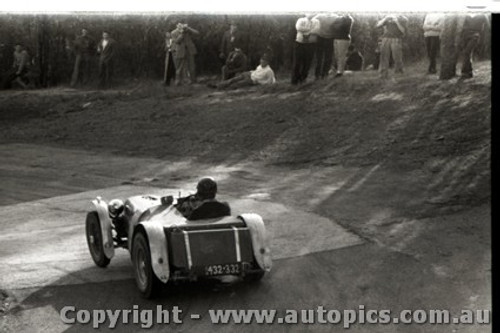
x,y
226,269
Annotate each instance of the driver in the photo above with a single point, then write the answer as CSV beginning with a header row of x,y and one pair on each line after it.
x,y
205,191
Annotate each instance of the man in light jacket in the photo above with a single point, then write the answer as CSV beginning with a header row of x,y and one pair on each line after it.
x,y
184,50
433,25
305,43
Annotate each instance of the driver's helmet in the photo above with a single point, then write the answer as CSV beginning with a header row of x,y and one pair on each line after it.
x,y
206,188
115,207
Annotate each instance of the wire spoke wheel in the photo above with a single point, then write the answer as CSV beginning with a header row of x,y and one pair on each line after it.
x,y
94,239
140,266
145,278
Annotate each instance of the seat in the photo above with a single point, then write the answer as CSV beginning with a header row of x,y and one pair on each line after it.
x,y
210,210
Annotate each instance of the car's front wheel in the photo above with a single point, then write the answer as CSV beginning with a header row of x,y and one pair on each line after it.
x,y
94,239
145,278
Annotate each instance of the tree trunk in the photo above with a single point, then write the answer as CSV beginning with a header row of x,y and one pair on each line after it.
x,y
43,50
449,49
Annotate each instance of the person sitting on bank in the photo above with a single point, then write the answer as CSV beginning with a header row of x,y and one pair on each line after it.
x,y
236,63
262,75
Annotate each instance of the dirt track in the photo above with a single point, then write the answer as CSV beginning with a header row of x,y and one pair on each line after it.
x,y
404,165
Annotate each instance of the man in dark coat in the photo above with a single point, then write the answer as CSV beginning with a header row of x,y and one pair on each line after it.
x,y
473,27
206,190
83,47
236,63
229,39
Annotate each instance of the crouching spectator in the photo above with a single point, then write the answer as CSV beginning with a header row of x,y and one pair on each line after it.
x,y
236,63
20,69
354,60
262,75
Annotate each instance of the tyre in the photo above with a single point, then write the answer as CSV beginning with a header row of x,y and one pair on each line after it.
x,y
145,278
94,239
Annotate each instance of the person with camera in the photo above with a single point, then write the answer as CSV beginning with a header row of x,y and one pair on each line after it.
x,y
392,43
184,51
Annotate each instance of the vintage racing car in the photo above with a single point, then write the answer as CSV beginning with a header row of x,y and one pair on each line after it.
x,y
166,246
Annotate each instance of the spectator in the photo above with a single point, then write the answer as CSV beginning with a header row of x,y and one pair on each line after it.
x,y
433,25
473,28
354,60
106,50
262,75
392,43
169,73
236,63
229,38
20,68
83,48
324,45
184,50
305,43
376,62
342,39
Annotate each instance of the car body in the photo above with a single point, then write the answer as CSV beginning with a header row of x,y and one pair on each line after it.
x,y
166,246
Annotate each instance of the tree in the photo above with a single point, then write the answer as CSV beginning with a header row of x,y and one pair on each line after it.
x,y
449,46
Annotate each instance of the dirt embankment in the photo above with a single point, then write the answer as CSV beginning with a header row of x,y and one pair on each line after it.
x,y
421,147
415,123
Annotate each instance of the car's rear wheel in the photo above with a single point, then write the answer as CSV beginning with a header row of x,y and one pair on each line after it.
x,y
145,278
94,239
